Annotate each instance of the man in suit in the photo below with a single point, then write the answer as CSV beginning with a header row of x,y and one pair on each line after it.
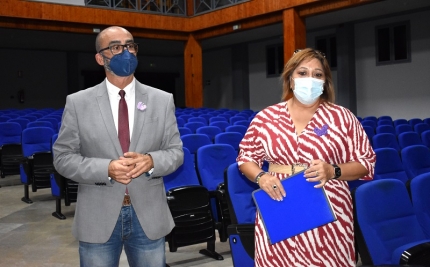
x,y
121,196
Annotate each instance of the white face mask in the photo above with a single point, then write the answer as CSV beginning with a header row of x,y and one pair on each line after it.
x,y
308,90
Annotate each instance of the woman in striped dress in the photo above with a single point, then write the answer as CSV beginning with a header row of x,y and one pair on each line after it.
x,y
307,130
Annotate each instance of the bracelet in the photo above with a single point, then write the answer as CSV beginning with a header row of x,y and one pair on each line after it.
x,y
257,178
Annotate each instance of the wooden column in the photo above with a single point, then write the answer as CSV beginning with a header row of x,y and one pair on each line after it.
x,y
294,32
193,73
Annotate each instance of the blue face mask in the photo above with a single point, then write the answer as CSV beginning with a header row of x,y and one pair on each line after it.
x,y
308,90
123,64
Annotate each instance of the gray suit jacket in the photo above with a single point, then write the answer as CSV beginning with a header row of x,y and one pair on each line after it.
x,y
88,141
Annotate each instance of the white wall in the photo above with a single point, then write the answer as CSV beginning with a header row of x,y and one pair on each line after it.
x,y
263,91
310,42
400,90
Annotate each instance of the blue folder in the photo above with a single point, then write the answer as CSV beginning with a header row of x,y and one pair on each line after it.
x,y
304,208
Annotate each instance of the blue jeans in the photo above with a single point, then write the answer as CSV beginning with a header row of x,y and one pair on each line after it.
x,y
140,250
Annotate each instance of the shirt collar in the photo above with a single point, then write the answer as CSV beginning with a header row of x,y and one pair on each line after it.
x,y
113,90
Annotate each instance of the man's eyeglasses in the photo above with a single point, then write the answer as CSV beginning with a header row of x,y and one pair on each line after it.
x,y
317,51
119,48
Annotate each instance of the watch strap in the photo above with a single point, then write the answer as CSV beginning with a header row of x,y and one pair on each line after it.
x,y
257,178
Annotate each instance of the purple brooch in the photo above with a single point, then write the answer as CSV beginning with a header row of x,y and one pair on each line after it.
x,y
322,131
141,106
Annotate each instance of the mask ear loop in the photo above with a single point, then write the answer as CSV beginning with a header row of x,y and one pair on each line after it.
x,y
291,83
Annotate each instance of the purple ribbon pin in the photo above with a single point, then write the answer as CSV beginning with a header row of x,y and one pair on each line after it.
x,y
322,131
141,106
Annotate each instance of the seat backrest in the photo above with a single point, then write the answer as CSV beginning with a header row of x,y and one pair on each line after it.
x,y
236,118
221,124
400,121
420,195
194,125
414,121
4,118
409,139
29,117
243,123
13,115
385,140
237,128
36,139
198,119
385,129
370,123
425,138
385,118
194,141
52,120
370,118
239,196
421,127
184,131
180,122
231,138
10,133
370,131
22,121
185,175
37,114
427,120
385,217
185,117
385,122
38,123
416,160
212,160
389,165
210,131
401,128
217,118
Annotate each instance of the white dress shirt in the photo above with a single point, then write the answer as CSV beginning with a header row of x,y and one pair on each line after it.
x,y
114,98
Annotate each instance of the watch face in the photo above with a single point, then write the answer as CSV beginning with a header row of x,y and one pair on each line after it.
x,y
337,171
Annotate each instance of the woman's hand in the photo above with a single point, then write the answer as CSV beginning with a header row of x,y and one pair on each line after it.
x,y
319,171
272,186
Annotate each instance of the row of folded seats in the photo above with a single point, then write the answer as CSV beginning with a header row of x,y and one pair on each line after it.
x,y
48,117
28,153
405,133
12,123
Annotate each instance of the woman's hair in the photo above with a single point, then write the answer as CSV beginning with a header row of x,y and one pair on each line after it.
x,y
298,57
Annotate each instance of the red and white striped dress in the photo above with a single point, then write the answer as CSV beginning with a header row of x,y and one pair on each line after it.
x,y
333,135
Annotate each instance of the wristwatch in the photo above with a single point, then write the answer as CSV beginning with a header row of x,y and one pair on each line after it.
x,y
337,171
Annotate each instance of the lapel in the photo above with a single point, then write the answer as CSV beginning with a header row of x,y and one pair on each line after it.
x,y
106,113
141,95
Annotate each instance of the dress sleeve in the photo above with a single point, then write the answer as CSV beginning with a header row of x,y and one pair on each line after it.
x,y
251,148
361,150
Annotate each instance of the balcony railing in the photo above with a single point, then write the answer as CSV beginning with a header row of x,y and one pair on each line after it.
x,y
165,7
201,6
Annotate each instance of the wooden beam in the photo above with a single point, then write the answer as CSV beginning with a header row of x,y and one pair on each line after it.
x,y
193,60
244,25
82,19
330,5
96,17
43,25
294,32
